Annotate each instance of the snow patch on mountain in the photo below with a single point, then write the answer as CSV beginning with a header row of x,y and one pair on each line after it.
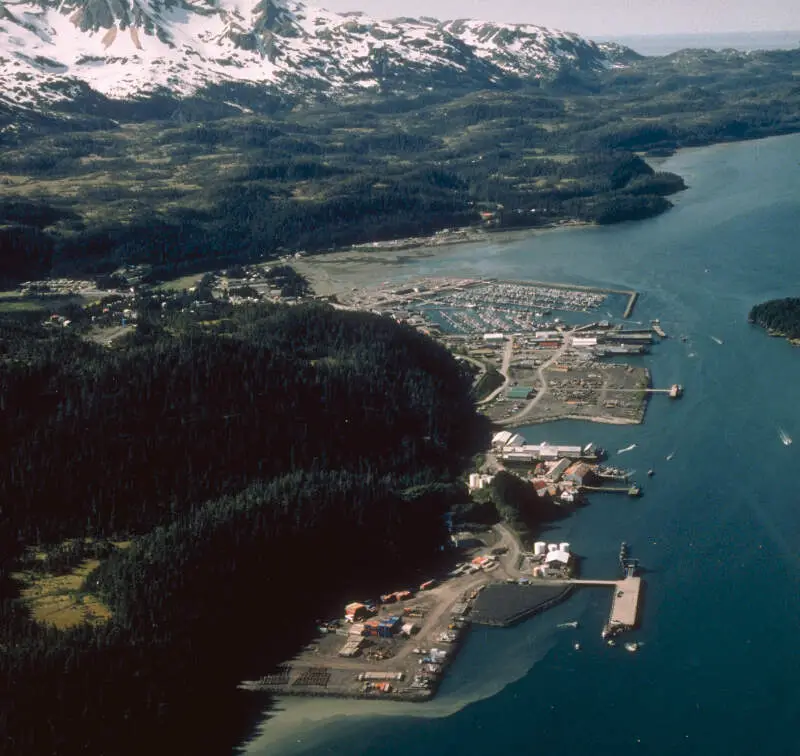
x,y
49,51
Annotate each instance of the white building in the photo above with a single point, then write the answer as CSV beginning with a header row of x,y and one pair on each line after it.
x,y
478,481
494,338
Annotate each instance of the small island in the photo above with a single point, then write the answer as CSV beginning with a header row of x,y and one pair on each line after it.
x,y
781,317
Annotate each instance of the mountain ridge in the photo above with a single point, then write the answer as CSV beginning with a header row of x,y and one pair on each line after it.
x,y
124,49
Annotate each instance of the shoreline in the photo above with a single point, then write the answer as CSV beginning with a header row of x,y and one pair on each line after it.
x,y
605,420
342,270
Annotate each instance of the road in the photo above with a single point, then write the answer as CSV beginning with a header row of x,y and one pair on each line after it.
x,y
504,367
543,386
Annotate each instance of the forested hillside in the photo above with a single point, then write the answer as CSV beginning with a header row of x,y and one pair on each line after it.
x,y
256,468
781,316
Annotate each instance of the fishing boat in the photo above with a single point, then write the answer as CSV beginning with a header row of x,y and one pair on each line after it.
x,y
577,646
716,340
786,439
670,456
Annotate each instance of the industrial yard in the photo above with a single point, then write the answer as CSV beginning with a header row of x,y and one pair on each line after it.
x,y
398,646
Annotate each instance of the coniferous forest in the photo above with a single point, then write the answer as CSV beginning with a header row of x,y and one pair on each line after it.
x,y
780,316
233,483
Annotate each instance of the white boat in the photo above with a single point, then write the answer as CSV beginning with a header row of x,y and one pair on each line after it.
x,y
715,339
632,647
786,439
670,456
626,449
577,646
563,625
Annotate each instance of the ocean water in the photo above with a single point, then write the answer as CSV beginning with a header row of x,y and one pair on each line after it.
x,y
717,529
664,44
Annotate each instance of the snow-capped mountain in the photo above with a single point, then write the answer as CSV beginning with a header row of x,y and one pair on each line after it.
x,y
51,50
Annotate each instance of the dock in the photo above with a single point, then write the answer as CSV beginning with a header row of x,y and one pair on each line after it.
x,y
675,391
632,490
624,614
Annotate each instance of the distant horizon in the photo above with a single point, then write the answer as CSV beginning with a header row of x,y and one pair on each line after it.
x,y
596,19
664,44
707,34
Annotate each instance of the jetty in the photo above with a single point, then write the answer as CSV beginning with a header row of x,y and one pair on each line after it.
x,y
632,297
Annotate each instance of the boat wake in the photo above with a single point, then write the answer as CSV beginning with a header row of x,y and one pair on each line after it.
x,y
715,339
786,439
670,456
626,449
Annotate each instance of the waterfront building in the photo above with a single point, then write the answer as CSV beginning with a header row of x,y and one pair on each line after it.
x,y
558,469
579,473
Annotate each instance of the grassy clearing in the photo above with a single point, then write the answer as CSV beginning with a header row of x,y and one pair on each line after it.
x,y
58,599
178,284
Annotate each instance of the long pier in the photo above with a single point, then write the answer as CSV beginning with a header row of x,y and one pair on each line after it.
x,y
675,391
631,490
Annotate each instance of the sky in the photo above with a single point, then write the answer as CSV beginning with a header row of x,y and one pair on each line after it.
x,y
598,18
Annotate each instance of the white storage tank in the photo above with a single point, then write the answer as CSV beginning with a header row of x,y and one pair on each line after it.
x,y
474,481
563,546
539,548
552,547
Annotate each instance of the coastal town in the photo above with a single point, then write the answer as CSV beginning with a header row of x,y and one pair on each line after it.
x,y
537,352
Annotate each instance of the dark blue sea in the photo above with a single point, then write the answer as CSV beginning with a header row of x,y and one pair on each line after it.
x,y
717,529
